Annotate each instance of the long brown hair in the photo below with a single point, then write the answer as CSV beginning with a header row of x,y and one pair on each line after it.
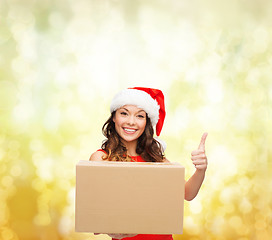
x,y
147,147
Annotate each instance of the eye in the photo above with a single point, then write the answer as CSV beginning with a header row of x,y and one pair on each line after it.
x,y
141,116
123,113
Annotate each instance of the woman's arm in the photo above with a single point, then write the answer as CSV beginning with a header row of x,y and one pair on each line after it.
x,y
199,159
193,185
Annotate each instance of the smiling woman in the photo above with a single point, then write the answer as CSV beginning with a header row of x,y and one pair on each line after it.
x,y
130,122
129,132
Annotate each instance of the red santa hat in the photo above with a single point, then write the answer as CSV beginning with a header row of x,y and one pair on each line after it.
x,y
149,99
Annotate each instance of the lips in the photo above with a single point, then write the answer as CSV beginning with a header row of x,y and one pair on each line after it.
x,y
129,130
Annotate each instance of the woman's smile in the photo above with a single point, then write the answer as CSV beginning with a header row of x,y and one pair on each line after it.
x,y
129,130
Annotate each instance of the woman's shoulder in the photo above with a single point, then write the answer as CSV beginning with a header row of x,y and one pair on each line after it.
x,y
99,155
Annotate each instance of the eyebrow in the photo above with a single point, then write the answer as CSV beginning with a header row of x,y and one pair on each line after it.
x,y
128,110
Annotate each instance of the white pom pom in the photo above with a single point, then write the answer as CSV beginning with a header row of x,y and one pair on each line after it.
x,y
162,143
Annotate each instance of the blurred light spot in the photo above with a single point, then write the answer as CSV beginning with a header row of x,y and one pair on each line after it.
x,y
38,185
4,213
195,206
16,171
64,184
217,224
242,118
65,225
52,118
245,206
261,235
71,196
260,224
223,161
13,154
261,37
211,66
236,222
14,145
190,224
56,20
63,77
192,74
229,208
23,112
43,206
214,91
252,78
20,13
208,116
243,65
20,66
7,181
2,154
42,220
36,145
7,233
86,94
69,151
8,95
74,113
226,195
44,168
178,121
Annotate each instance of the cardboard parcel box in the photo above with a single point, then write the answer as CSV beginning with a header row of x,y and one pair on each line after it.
x,y
129,197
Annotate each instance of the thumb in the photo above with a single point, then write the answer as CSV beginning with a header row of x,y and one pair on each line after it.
x,y
202,142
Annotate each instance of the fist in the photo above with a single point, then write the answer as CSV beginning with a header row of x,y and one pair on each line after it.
x,y
120,235
117,235
198,157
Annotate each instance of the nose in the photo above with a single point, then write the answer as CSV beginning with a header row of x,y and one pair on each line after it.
x,y
131,120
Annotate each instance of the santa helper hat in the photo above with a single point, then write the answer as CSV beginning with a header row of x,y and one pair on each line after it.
x,y
149,99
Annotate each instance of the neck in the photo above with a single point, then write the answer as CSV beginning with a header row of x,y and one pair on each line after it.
x,y
131,148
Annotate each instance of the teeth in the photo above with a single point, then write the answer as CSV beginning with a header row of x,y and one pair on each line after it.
x,y
129,130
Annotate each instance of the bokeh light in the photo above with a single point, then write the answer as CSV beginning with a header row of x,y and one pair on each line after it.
x,y
61,62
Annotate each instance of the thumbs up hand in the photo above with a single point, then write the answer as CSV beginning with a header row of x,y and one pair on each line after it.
x,y
199,158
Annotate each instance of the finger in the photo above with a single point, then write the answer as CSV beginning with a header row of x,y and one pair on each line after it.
x,y
114,235
202,161
202,142
199,156
197,152
199,162
203,166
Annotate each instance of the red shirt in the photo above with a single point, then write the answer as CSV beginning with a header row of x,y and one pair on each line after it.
x,y
145,236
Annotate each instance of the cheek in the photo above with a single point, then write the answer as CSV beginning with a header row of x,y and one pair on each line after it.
x,y
119,123
143,125
117,120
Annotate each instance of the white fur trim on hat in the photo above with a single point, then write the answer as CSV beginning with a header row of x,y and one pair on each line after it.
x,y
137,98
162,144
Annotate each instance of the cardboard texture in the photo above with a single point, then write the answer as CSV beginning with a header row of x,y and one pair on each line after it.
x,y
129,197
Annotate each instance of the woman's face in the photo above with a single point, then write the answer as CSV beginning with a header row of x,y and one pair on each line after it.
x,y
130,122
